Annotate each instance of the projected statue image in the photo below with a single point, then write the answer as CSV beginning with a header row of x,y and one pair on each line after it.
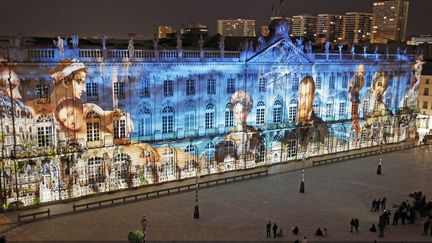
x,y
355,86
241,144
306,97
70,112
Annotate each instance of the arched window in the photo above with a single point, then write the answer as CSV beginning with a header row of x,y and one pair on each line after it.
x,y
167,120
277,111
190,154
189,118
209,116
210,155
229,147
292,114
144,122
93,126
260,113
121,164
363,135
45,131
168,162
94,170
229,115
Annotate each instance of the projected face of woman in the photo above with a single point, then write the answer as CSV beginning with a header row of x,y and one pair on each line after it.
x,y
70,116
240,116
79,83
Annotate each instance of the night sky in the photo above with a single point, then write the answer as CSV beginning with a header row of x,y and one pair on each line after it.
x,y
117,18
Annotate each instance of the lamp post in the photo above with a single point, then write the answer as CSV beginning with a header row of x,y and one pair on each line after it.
x,y
197,175
302,186
380,160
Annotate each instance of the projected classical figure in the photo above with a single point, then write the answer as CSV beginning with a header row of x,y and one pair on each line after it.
x,y
355,86
410,99
70,112
377,106
243,142
305,100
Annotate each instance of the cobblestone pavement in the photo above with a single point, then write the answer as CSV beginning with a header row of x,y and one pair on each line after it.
x,y
335,193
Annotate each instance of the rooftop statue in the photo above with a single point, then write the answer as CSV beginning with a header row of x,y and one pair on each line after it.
x,y
179,42
221,43
74,40
104,38
340,46
327,47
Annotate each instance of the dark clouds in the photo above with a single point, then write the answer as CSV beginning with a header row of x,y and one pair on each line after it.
x,y
120,17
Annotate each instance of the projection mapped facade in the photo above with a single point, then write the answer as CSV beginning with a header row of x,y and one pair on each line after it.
x,y
95,120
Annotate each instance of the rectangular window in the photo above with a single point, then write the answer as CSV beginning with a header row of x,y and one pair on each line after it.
x,y
229,120
43,93
260,116
211,86
119,129
190,87
230,86
168,88
425,104
329,110
344,82
209,120
167,124
189,121
262,85
318,82
93,131
427,81
426,92
341,108
91,89
119,90
45,136
295,83
316,109
332,82
145,89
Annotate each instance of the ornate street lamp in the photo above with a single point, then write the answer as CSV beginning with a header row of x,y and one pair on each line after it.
x,y
302,186
380,160
197,175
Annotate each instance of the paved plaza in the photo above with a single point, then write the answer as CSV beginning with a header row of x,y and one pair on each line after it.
x,y
335,193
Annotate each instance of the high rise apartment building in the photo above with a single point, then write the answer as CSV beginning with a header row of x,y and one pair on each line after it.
x,y
331,26
390,20
304,25
236,27
358,27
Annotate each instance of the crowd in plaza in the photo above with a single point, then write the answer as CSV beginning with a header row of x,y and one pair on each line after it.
x,y
404,212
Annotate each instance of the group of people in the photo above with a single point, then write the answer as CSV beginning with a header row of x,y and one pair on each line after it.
x,y
277,231
354,224
376,204
275,228
405,212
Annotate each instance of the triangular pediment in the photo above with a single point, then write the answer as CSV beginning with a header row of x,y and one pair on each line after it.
x,y
281,51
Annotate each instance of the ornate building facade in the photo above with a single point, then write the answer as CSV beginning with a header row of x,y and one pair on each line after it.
x,y
80,121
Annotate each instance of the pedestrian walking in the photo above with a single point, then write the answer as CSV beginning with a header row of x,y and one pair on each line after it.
x,y
356,224
383,203
268,229
275,227
426,227
352,223
295,230
396,217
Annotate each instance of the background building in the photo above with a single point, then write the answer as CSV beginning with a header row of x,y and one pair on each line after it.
x,y
236,27
331,26
304,25
358,27
195,29
425,101
164,30
390,20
